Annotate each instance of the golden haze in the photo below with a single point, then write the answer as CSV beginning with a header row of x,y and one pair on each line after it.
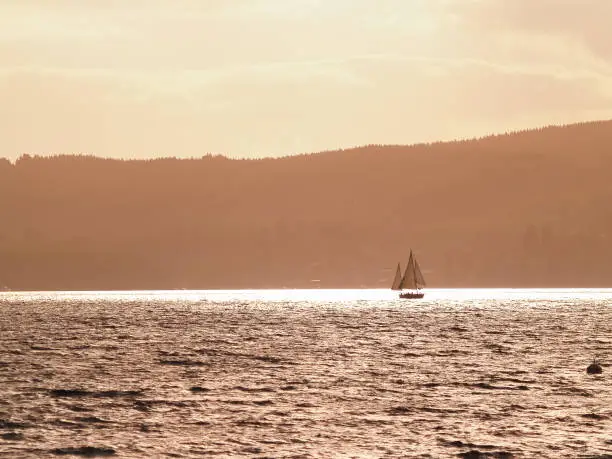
x,y
138,79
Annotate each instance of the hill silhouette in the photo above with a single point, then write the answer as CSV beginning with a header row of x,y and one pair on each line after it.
x,y
523,209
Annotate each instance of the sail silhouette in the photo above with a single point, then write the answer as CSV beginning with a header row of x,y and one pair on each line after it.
x,y
397,281
412,279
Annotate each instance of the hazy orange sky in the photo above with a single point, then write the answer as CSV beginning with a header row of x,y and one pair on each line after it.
x,y
144,78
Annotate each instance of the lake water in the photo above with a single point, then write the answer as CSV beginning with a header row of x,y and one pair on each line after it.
x,y
306,373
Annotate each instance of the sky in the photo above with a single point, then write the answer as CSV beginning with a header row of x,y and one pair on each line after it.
x,y
251,78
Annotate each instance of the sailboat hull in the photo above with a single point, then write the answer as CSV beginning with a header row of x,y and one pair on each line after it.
x,y
411,295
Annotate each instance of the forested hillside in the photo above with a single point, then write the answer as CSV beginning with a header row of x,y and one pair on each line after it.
x,y
524,209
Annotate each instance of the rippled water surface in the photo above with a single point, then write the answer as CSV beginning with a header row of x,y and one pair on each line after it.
x,y
320,373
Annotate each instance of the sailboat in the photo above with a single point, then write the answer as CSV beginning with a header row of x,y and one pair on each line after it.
x,y
412,279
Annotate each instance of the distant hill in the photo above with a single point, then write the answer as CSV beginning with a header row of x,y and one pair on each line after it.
x,y
524,209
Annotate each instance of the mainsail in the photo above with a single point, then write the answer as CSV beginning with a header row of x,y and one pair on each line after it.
x,y
398,279
413,277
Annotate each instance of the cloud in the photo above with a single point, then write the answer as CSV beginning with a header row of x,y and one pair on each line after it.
x,y
185,77
579,23
284,108
190,34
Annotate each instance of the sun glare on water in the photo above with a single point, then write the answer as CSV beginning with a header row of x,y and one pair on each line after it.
x,y
315,295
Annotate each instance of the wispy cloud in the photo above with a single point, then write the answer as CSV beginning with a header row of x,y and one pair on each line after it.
x,y
186,76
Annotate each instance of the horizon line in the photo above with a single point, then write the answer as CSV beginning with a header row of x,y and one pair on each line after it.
x,y
308,153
